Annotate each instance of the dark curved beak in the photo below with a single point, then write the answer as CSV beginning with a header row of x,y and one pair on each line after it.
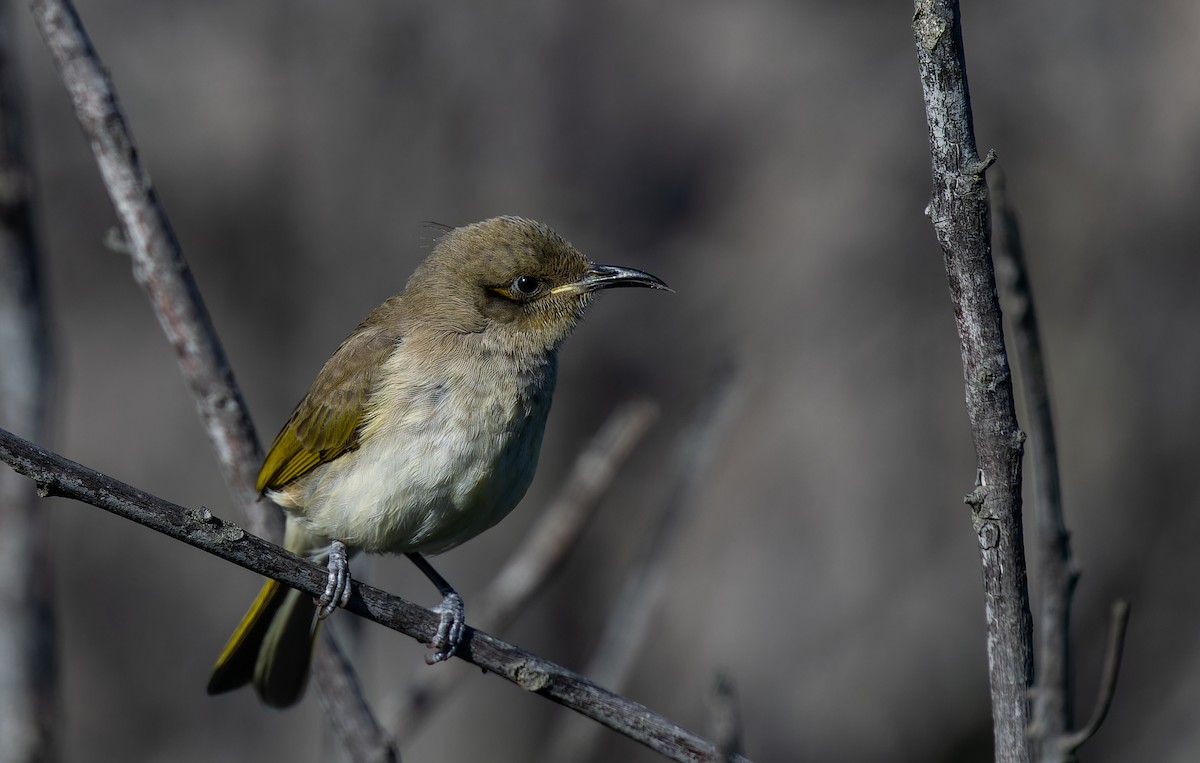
x,y
613,276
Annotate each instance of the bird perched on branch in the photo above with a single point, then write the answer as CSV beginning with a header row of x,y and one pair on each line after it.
x,y
420,432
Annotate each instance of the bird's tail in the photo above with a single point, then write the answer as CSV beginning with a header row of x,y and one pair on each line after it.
x,y
272,646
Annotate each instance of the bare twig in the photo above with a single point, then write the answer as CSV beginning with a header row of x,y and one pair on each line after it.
x,y
629,624
28,658
1119,623
340,689
540,554
58,476
724,720
548,541
161,270
960,214
158,264
1051,693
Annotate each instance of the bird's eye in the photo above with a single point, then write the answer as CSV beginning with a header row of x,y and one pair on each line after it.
x,y
526,285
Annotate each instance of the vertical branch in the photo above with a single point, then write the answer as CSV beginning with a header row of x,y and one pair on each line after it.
x,y
161,270
959,210
1052,712
28,660
1056,583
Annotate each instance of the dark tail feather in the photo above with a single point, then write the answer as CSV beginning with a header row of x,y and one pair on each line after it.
x,y
272,647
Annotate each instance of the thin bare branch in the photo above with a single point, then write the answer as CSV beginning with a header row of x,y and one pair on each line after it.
x,y
160,268
962,221
28,657
548,541
540,554
158,264
339,688
1051,715
1118,625
724,720
629,625
57,476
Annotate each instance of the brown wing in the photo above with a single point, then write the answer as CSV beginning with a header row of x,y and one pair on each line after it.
x,y
325,423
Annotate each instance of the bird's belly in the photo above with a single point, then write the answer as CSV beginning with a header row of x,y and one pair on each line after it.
x,y
430,477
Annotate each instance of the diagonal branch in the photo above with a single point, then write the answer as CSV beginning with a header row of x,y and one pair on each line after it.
x,y
161,270
696,448
547,543
357,733
57,476
962,221
540,554
158,263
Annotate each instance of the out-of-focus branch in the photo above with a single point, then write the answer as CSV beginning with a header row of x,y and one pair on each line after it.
x,y
540,554
159,267
724,720
1119,623
340,689
58,476
961,219
1051,693
629,625
28,659
158,264
548,542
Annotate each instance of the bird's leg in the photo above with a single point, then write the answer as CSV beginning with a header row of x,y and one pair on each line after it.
x,y
337,588
452,610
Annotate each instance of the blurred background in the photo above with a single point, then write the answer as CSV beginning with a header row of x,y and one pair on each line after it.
x,y
770,161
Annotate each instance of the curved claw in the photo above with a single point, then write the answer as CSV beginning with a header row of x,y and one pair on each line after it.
x,y
450,628
337,588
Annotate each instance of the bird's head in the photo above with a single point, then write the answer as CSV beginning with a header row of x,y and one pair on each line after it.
x,y
514,279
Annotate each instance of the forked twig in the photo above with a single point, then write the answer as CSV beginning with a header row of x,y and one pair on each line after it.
x,y
55,475
158,263
1051,715
1118,625
160,268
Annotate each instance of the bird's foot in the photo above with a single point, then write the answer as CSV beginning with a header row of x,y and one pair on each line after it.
x,y
450,629
337,588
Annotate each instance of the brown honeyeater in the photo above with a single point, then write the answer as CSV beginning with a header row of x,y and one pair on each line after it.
x,y
420,432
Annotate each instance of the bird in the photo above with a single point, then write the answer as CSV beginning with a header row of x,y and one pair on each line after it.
x,y
421,431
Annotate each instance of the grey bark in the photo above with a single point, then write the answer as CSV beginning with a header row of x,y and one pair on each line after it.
x,y
960,212
28,658
57,476
161,270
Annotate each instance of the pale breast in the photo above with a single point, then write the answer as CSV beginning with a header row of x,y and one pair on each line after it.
x,y
444,454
